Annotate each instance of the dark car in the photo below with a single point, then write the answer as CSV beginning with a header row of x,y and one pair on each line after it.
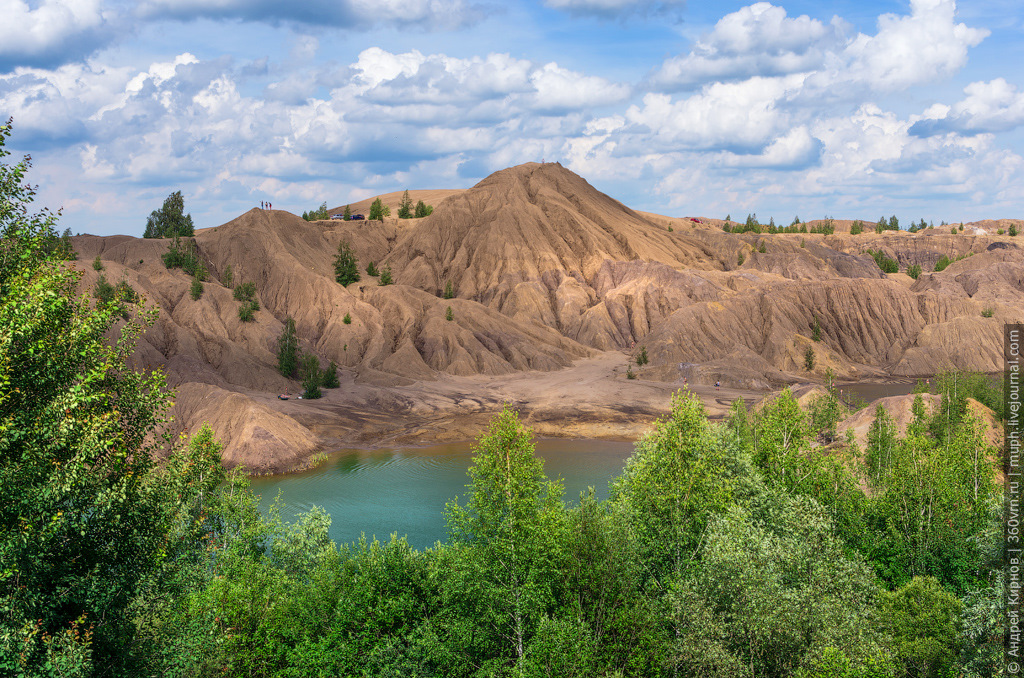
x,y
358,217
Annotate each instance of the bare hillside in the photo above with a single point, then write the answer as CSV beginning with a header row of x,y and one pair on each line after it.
x,y
546,272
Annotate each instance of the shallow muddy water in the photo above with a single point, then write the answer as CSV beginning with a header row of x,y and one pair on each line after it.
x,y
404,490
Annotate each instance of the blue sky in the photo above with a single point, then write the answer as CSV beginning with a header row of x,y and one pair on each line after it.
x,y
850,109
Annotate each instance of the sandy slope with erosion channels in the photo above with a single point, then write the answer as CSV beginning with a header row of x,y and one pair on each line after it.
x,y
556,285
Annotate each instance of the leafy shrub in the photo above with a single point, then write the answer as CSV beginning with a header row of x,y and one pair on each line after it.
x,y
987,313
329,377
816,330
999,231
371,269
953,230
124,292
857,227
914,271
886,263
197,289
641,358
449,290
378,210
347,319
246,312
318,214
245,292
97,265
449,314
184,254
809,359
385,277
762,248
1012,230
670,229
942,263
423,210
227,278
740,259
630,374
104,291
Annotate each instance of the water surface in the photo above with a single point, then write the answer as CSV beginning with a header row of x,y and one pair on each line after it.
x,y
405,490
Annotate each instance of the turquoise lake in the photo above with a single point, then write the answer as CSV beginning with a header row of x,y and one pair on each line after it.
x,y
404,490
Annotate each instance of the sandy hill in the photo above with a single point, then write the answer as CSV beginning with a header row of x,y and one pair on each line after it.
x,y
394,200
547,272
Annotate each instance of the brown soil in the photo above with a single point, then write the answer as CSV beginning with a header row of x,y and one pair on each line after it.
x,y
556,287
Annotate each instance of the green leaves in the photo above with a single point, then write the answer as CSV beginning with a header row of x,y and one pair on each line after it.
x,y
170,221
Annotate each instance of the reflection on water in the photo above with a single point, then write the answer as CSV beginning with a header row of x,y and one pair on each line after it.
x,y
405,490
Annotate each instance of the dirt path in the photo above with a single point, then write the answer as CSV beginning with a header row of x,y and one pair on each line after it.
x,y
591,399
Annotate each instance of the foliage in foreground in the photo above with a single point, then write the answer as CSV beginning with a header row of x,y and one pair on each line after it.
x,y
738,549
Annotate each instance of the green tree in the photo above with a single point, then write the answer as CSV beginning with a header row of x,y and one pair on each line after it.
x,y
329,378
346,266
227,278
385,277
423,210
97,265
857,227
449,314
347,214
914,271
378,210
371,269
942,263
507,537
347,319
881,444
309,373
196,290
405,207
809,359
288,349
816,330
449,290
671,487
641,357
924,621
84,529
318,214
170,220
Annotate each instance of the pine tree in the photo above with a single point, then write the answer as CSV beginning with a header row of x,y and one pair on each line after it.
x,y
405,207
197,289
449,314
385,277
348,213
346,266
449,290
423,210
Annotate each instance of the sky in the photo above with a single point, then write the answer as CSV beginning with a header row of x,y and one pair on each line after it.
x,y
841,108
